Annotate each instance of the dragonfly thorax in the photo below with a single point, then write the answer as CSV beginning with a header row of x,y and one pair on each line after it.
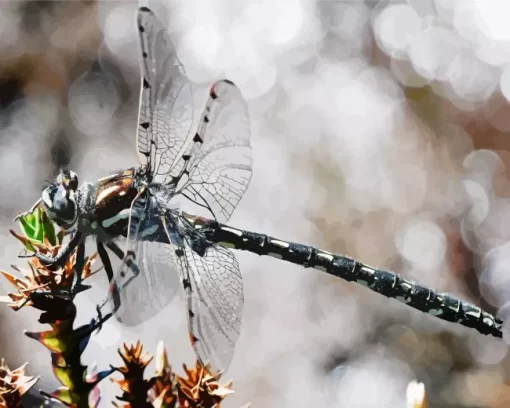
x,y
59,199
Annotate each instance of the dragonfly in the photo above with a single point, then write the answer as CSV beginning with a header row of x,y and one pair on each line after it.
x,y
211,168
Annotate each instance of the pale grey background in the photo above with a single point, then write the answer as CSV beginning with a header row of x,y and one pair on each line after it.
x,y
380,130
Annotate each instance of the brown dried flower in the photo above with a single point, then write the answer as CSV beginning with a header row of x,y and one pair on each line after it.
x,y
52,290
40,278
135,388
200,388
163,393
13,384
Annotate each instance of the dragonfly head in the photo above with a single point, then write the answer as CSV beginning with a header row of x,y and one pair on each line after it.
x,y
59,199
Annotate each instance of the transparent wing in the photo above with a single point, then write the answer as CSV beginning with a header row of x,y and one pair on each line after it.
x,y
213,287
147,279
219,162
166,109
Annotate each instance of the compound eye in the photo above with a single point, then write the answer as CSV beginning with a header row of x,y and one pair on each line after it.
x,y
48,195
72,181
69,179
60,202
62,205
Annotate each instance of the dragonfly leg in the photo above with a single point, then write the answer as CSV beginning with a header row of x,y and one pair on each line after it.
x,y
120,254
105,259
61,258
112,246
116,285
80,260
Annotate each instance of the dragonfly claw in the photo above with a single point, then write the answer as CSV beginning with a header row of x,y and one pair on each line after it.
x,y
30,211
23,214
101,318
25,254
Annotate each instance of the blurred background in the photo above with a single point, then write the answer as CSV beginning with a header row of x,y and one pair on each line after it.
x,y
381,130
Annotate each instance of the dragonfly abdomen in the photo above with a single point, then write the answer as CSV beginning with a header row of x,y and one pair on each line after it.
x,y
386,283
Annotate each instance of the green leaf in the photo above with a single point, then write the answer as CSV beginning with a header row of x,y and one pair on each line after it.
x,y
39,230
64,376
64,395
27,226
48,228
31,226
50,339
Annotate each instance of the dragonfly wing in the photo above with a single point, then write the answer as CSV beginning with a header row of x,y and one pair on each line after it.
x,y
213,287
166,104
217,160
147,279
220,161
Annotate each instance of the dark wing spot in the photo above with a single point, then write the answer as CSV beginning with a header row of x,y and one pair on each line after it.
x,y
141,29
206,119
179,252
186,284
213,93
145,125
197,139
144,54
186,157
146,84
191,314
192,338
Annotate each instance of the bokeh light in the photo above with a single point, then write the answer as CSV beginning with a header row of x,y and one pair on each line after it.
x,y
380,130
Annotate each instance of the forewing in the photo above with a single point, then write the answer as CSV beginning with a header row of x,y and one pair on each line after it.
x,y
166,109
220,161
147,278
214,291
